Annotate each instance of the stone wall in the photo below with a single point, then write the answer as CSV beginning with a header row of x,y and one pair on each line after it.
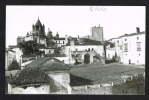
x,y
133,85
59,81
43,89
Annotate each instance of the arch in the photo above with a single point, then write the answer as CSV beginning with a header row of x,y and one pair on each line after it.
x,y
78,59
87,58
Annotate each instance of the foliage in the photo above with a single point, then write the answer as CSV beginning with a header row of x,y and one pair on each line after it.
x,y
28,47
14,66
57,49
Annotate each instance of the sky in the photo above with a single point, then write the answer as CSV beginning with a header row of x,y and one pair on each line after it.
x,y
74,20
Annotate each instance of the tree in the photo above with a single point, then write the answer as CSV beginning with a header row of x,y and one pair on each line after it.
x,y
14,66
27,47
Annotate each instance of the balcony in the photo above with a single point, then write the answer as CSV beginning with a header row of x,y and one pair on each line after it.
x,y
138,49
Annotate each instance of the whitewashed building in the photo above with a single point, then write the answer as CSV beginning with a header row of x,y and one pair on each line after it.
x,y
130,48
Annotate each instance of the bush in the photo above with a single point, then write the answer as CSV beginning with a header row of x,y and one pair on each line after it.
x,y
14,66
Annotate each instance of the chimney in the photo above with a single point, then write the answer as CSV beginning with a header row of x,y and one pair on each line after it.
x,y
138,29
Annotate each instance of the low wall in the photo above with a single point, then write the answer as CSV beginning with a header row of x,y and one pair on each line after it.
x,y
43,89
133,85
59,81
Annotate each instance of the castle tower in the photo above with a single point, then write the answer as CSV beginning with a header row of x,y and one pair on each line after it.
x,y
97,33
57,35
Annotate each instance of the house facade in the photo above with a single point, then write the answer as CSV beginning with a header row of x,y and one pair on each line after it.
x,y
130,48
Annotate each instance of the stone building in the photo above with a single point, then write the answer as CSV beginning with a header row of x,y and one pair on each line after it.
x,y
97,33
10,56
57,71
130,48
29,81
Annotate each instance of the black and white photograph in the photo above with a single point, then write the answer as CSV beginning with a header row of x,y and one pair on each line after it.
x,y
91,50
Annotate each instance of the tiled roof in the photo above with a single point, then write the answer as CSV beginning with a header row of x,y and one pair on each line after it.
x,y
55,55
38,62
132,34
29,76
87,43
48,63
55,67
59,39
13,46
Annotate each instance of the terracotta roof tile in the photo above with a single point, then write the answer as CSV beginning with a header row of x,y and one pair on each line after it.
x,y
29,76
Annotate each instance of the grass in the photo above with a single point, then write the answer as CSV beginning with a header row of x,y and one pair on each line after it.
x,y
105,73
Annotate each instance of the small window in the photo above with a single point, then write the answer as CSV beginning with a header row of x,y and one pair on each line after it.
x,y
137,61
76,49
137,38
89,49
92,49
117,41
59,41
63,42
139,54
125,39
126,54
56,41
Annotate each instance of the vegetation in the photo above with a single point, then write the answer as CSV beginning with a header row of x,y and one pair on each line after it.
x,y
28,47
14,66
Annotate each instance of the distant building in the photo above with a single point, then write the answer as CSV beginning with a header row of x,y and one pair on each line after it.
x,y
10,56
50,44
97,33
130,48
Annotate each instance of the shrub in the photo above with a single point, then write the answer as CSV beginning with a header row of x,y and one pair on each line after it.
x,y
14,66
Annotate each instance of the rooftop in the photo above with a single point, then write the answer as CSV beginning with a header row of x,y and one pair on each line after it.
x,y
132,34
87,43
49,64
29,76
59,38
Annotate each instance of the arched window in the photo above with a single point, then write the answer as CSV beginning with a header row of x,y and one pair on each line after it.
x,y
92,49
89,49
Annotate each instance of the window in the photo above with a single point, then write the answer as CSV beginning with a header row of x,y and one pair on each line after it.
x,y
63,42
117,41
125,39
139,54
76,49
92,49
137,38
126,47
138,46
59,41
121,47
56,41
89,49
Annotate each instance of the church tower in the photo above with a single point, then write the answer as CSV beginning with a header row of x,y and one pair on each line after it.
x,y
57,35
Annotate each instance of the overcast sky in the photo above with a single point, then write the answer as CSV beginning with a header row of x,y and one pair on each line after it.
x,y
74,20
